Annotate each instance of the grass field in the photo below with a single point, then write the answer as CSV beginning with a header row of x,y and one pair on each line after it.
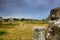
x,y
22,31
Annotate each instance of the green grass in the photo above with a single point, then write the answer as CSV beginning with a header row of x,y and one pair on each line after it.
x,y
35,22
7,25
1,39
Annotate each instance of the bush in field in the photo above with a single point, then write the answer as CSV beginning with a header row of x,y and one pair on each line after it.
x,y
3,32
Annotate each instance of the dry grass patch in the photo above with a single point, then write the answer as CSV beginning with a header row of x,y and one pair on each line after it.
x,y
22,31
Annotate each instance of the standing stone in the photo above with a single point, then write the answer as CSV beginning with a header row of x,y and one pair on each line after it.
x,y
39,33
11,21
1,19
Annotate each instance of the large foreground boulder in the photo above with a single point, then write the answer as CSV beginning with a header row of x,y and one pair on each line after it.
x,y
53,31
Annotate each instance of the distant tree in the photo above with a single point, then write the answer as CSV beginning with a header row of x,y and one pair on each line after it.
x,y
6,20
43,19
16,19
28,20
23,19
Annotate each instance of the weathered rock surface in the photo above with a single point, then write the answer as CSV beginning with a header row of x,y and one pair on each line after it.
x,y
39,33
54,14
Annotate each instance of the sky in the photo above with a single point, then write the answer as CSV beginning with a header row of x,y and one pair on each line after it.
x,y
35,9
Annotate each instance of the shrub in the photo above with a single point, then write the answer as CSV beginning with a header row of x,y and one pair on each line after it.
x,y
3,32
